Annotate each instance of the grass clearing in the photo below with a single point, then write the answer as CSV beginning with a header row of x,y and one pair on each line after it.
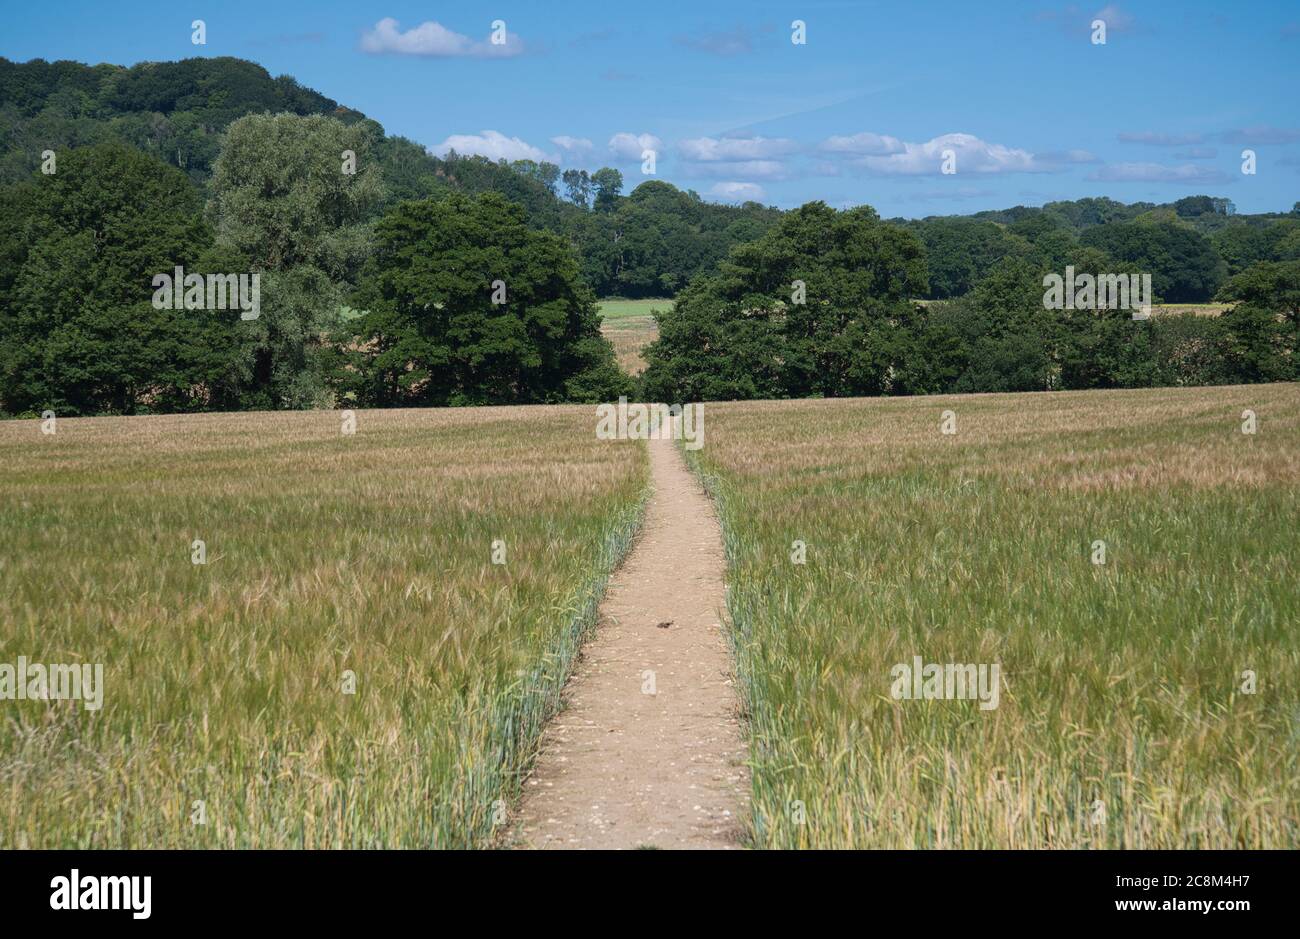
x,y
613,310
630,326
325,553
1122,683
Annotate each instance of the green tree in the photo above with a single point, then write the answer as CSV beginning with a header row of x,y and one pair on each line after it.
x,y
1272,286
294,196
608,184
1262,341
433,333
1242,245
79,333
960,251
283,193
577,186
1183,264
820,305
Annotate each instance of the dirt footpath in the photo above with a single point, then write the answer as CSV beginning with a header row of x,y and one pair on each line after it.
x,y
648,751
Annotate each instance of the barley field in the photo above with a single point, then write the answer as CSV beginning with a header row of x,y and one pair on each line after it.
x,y
1126,718
629,325
1200,309
332,561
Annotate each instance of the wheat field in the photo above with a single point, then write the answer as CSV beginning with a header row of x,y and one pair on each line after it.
x,y
332,561
1127,717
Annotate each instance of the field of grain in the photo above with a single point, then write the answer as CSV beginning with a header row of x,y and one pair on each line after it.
x,y
332,561
630,326
1200,309
1152,701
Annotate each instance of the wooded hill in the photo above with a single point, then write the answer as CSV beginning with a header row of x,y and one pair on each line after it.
x,y
649,242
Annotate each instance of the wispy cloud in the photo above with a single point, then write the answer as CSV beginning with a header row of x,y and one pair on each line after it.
x,y
1067,157
1116,19
744,158
736,41
730,149
863,144
738,192
1261,135
1156,139
1196,153
573,148
890,156
769,170
596,35
944,193
1077,21
435,40
1158,173
491,144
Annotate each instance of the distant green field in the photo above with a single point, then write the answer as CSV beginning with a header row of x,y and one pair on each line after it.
x,y
630,326
621,309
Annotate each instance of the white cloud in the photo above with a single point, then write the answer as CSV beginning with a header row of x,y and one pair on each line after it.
x,y
627,146
863,144
492,144
433,39
751,169
972,156
737,192
1158,173
730,149
573,148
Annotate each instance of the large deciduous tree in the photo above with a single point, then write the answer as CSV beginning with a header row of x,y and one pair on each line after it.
x,y
79,333
820,305
1263,328
467,305
294,196
608,184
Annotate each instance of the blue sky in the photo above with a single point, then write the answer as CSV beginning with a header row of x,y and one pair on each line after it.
x,y
1031,108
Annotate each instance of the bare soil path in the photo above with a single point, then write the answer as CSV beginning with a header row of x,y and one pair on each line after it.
x,y
648,751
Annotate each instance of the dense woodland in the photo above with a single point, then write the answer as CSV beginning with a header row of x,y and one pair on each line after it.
x,y
375,284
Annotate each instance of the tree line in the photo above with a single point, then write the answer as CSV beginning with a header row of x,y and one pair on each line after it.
x,y
399,309
823,306
392,277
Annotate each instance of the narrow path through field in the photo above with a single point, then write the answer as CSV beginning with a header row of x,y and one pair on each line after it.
x,y
648,751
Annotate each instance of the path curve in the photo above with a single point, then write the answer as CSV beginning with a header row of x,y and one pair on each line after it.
x,y
623,768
